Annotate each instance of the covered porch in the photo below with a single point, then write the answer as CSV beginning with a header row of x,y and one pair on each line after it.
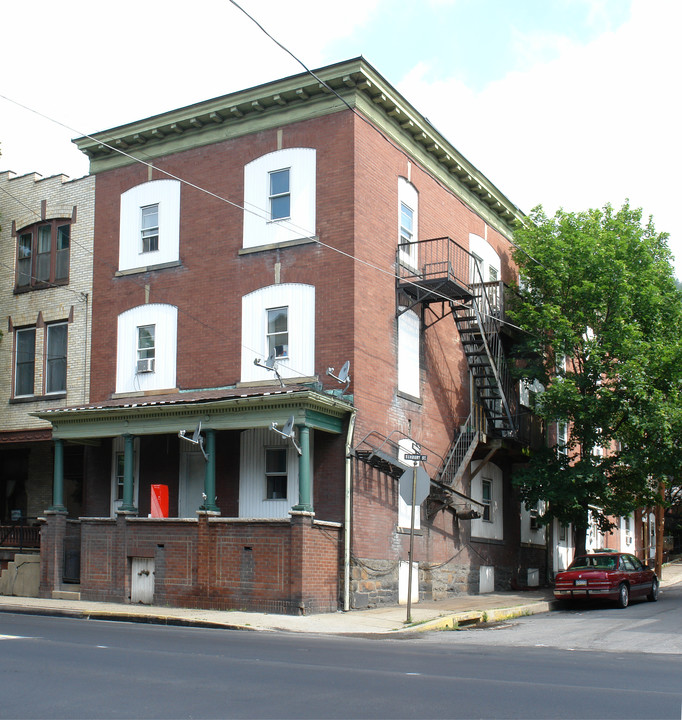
x,y
254,518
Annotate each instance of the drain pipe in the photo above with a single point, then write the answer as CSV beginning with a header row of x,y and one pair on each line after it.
x,y
347,515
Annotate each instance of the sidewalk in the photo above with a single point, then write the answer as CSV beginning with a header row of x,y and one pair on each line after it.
x,y
432,615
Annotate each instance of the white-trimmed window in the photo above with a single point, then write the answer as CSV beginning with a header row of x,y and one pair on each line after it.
x,y
408,212
531,529
150,225
55,366
280,318
117,472
276,473
562,438
268,474
487,500
280,194
280,197
150,228
408,353
485,258
24,362
147,348
278,332
487,488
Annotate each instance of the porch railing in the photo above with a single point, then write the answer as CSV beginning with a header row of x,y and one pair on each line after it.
x,y
20,534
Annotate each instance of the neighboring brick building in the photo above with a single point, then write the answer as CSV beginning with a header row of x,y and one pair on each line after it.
x,y
45,309
299,228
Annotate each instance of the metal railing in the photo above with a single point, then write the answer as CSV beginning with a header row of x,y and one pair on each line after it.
x,y
19,534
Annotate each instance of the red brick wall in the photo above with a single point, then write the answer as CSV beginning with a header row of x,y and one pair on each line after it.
x,y
275,566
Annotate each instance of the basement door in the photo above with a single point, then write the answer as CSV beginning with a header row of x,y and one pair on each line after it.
x,y
142,581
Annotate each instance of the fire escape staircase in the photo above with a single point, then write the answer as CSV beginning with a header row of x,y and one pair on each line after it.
x,y
448,282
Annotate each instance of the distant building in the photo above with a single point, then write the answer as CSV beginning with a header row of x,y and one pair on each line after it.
x,y
45,310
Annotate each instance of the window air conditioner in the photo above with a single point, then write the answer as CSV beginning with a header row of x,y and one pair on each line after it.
x,y
145,365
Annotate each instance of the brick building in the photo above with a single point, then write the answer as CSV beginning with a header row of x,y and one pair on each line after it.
x,y
264,239
45,308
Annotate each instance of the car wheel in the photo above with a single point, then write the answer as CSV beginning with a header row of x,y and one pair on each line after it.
x,y
653,595
623,595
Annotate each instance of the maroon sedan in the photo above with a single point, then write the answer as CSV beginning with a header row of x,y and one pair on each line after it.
x,y
606,576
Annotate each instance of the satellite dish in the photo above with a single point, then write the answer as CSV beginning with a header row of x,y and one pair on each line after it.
x,y
343,376
269,364
287,432
196,439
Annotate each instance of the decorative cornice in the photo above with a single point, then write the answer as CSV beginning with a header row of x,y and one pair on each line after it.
x,y
294,99
147,417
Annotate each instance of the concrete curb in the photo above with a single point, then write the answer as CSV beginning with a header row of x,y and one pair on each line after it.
x,y
474,617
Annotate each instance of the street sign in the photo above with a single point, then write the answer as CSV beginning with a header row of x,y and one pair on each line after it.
x,y
422,488
415,456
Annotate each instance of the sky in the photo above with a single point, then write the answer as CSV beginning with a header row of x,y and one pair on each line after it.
x,y
563,103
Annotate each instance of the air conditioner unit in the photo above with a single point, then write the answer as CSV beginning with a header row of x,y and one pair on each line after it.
x,y
145,365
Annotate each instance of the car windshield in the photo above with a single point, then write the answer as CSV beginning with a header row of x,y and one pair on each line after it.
x,y
606,562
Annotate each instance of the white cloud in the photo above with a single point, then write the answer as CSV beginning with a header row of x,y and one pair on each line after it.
x,y
597,124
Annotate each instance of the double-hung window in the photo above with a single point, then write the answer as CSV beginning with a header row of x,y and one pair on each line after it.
x,y
43,254
25,362
55,381
487,499
278,332
280,195
146,348
276,477
408,204
150,228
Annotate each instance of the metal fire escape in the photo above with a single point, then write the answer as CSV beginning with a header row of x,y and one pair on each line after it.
x,y
443,277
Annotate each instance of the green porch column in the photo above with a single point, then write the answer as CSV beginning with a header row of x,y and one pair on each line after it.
x,y
128,506
58,482
209,477
304,496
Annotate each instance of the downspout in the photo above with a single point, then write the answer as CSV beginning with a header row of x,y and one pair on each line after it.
x,y
347,515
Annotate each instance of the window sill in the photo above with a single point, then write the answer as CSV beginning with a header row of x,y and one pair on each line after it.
x,y
406,530
147,268
277,246
40,286
411,398
37,398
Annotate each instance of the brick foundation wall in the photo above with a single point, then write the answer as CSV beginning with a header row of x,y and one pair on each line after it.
x,y
270,566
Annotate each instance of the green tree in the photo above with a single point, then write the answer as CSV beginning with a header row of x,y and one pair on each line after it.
x,y
600,310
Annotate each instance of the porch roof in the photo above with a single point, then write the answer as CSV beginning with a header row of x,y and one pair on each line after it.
x,y
224,409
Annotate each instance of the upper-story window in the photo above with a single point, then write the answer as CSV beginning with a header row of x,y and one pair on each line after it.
x,y
55,380
408,200
280,319
150,228
24,362
280,197
150,225
43,254
146,356
409,368
146,350
278,332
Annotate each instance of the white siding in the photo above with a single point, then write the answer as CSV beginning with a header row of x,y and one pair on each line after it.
x,y
484,250
480,528
300,300
258,228
407,194
165,318
408,353
167,194
252,482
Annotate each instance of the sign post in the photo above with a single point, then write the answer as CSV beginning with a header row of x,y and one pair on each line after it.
x,y
416,458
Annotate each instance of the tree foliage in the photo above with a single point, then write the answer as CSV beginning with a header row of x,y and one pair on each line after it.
x,y
600,309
